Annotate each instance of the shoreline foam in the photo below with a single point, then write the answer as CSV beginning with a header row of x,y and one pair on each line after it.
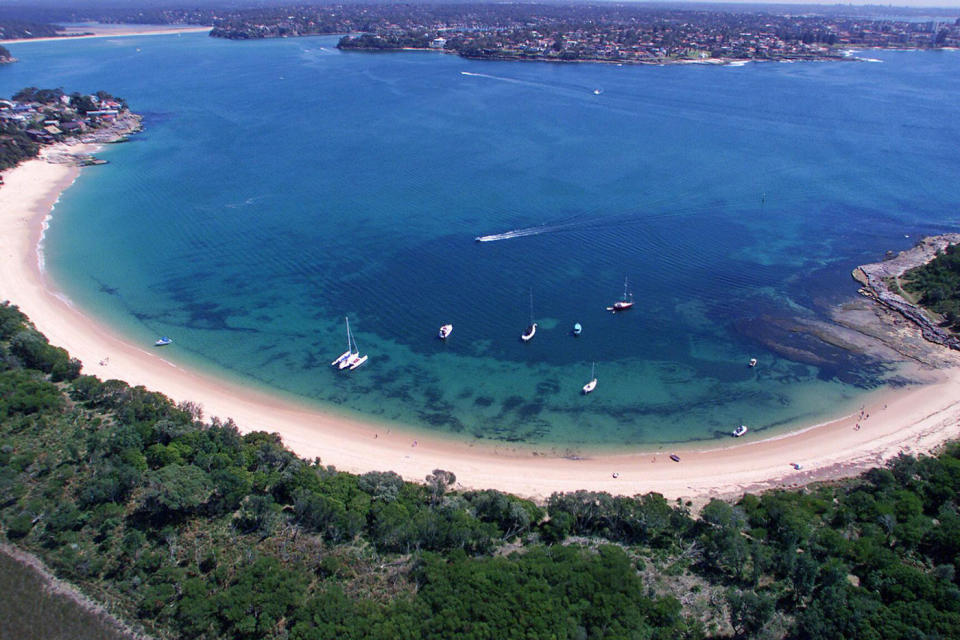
x,y
914,420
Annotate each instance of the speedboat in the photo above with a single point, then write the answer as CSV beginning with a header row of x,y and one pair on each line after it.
x,y
739,431
529,332
577,329
162,341
445,331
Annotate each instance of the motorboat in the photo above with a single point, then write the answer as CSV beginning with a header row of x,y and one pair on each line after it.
x,y
590,386
624,303
752,363
577,329
739,431
162,341
445,331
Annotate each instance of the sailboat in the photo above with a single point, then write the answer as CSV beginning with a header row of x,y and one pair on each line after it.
x,y
351,358
346,354
355,358
590,386
626,302
531,330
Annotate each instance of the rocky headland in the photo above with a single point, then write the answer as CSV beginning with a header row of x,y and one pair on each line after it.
x,y
881,281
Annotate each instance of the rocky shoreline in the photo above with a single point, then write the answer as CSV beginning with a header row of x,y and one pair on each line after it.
x,y
118,131
877,277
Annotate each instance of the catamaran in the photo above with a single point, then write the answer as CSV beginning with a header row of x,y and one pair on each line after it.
x,y
351,359
626,302
346,354
590,386
531,330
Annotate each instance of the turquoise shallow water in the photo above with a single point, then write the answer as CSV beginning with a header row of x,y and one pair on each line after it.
x,y
281,185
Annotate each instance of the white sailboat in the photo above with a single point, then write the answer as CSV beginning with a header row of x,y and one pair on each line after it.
x,y
590,386
351,359
346,354
355,359
531,330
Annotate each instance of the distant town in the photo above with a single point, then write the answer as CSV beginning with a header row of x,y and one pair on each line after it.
x,y
615,33
618,33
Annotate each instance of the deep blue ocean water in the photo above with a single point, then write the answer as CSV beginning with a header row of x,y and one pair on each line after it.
x,y
282,185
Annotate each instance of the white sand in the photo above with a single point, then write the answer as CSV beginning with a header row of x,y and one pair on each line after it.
x,y
913,420
114,31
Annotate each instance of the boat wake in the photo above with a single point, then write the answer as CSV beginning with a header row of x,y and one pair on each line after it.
x,y
529,231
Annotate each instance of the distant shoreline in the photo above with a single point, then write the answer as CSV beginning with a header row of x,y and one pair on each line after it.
x,y
113,31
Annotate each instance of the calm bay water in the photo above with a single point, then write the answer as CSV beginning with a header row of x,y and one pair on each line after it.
x,y
282,185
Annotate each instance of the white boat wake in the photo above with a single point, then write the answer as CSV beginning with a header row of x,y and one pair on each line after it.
x,y
528,231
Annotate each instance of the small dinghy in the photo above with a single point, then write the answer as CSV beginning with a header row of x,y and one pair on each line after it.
x,y
162,341
739,431
445,331
577,329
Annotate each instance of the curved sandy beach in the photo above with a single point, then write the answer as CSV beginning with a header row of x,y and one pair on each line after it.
x,y
911,420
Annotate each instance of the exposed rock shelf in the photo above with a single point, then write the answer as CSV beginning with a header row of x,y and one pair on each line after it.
x,y
877,277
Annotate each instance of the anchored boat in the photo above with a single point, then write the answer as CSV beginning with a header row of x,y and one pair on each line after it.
x,y
590,386
531,330
624,303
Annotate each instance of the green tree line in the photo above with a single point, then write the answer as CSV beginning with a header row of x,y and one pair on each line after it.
x,y
193,530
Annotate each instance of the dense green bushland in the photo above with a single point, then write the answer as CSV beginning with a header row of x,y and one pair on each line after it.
x,y
196,531
938,285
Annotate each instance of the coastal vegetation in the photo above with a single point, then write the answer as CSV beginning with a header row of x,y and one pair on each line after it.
x,y
190,529
937,285
5,55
